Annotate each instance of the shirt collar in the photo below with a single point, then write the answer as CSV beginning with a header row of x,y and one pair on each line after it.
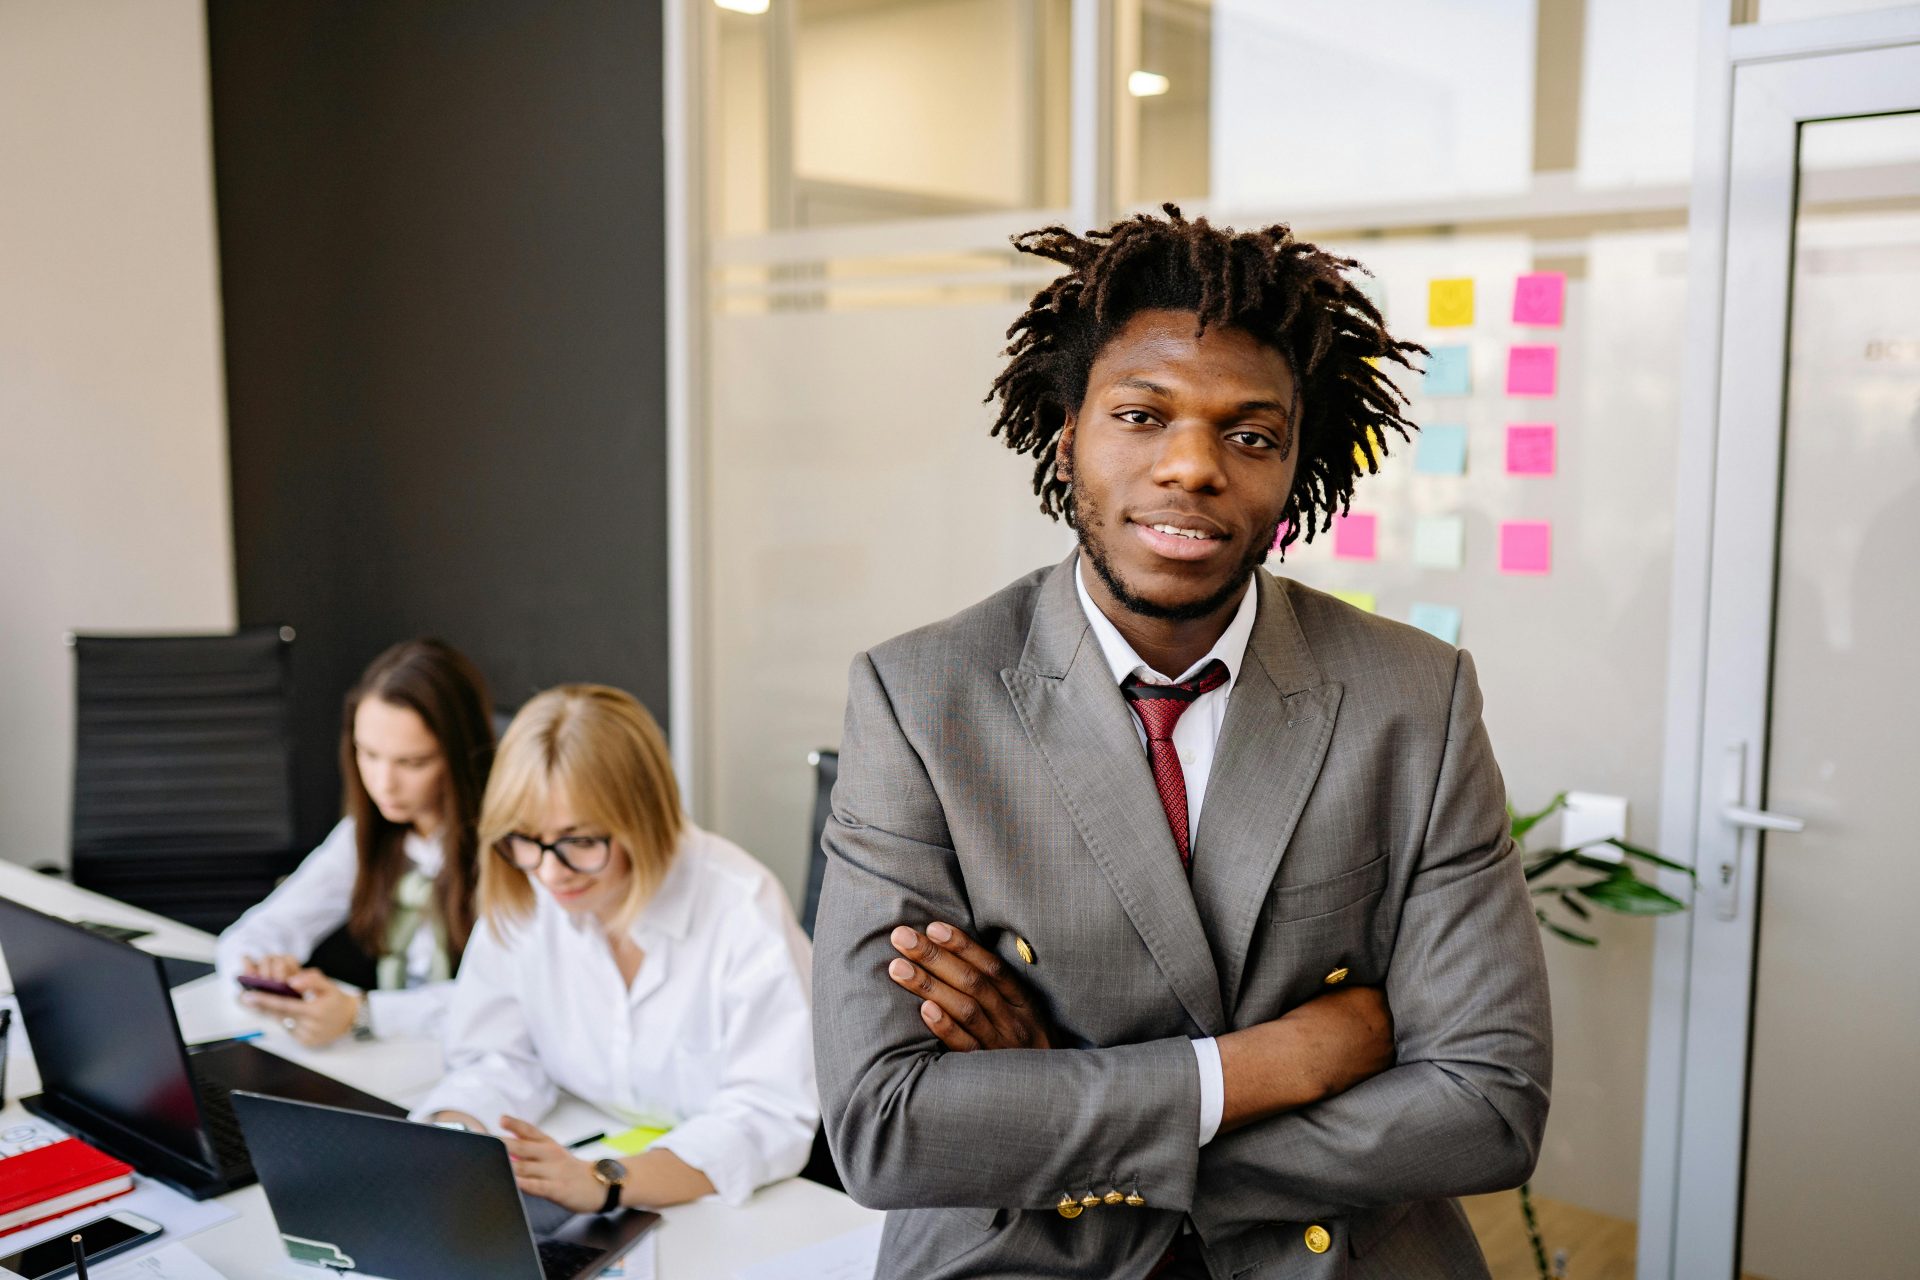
x,y
1230,648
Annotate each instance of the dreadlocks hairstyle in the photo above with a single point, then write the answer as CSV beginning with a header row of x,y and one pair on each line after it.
x,y
1289,294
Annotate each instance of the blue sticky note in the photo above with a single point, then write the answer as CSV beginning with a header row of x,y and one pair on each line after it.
x,y
1437,620
1449,372
1442,451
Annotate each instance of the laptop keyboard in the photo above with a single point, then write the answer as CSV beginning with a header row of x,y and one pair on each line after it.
x,y
561,1260
223,1126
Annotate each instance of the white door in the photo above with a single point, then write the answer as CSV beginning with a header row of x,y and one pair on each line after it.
x,y
1800,1115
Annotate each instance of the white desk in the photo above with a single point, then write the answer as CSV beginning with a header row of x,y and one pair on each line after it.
x,y
702,1241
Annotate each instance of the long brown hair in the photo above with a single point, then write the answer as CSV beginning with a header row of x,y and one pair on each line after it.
x,y
440,685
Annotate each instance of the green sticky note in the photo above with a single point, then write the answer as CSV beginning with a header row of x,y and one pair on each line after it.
x,y
1358,599
634,1140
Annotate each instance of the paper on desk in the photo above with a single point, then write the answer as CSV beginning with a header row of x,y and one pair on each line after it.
x,y
639,1262
179,1216
168,1262
852,1256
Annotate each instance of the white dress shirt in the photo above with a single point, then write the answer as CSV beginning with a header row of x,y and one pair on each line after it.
x,y
313,902
712,1039
1194,738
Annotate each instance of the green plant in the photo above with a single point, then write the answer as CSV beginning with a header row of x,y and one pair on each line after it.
x,y
1611,885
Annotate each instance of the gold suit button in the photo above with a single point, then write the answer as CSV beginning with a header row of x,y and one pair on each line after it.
x,y
1338,975
1089,1201
1317,1238
1136,1199
1020,945
1112,1197
1068,1206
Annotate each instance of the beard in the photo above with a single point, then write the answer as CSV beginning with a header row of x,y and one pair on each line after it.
x,y
1087,518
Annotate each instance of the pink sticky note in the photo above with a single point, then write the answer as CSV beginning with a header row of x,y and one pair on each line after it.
x,y
1530,450
1526,546
1531,370
1353,537
1540,298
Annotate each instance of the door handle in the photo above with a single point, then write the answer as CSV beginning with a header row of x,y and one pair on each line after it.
x,y
1761,819
1724,888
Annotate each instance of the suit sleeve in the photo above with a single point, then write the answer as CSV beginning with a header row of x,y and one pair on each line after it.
x,y
912,1125
1463,1110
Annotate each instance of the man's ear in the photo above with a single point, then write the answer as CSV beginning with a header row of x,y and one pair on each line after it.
x,y
1063,451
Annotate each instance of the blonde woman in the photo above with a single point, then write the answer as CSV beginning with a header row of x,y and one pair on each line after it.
x,y
645,966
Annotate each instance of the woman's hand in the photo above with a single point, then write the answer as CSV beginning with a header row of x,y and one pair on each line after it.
x,y
277,967
323,1013
543,1167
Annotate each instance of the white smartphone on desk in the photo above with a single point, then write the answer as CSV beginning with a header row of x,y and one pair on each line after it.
x,y
101,1239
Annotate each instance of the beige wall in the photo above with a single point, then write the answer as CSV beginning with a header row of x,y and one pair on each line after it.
x,y
113,469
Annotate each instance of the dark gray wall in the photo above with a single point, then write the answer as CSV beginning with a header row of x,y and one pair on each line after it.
x,y
441,252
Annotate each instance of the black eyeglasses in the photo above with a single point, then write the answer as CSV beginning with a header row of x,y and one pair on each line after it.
x,y
585,855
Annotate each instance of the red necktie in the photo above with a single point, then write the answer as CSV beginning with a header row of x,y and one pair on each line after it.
x,y
1160,707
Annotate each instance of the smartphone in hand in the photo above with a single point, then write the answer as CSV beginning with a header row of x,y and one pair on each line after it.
x,y
268,986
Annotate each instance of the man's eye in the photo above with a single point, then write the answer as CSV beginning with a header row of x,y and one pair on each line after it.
x,y
1252,439
1137,417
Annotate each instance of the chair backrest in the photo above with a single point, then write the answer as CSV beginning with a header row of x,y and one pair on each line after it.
x,y
183,769
826,768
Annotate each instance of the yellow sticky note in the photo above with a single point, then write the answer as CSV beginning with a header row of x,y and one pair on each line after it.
x,y
1358,599
634,1140
1450,302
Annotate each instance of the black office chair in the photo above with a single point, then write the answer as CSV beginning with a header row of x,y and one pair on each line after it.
x,y
183,771
826,768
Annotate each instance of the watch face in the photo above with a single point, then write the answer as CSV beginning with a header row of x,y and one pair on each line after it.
x,y
611,1172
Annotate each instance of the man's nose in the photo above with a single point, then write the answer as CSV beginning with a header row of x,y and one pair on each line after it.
x,y
1190,458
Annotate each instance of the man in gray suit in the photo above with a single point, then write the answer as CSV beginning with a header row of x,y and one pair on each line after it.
x,y
1172,926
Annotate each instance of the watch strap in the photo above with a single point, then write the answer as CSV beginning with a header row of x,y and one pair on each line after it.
x,y
612,1201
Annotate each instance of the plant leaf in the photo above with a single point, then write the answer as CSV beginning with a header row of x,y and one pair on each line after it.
x,y
1579,939
1523,823
1572,904
1629,896
1648,855
1540,866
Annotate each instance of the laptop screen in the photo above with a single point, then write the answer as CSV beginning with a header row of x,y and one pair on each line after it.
x,y
101,1023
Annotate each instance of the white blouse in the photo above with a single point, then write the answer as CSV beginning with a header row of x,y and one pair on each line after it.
x,y
713,1038
313,902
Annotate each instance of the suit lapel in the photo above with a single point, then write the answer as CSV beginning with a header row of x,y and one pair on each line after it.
x,y
1076,719
1279,720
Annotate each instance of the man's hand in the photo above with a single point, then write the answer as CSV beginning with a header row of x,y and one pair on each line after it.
x,y
1322,1048
322,1014
968,998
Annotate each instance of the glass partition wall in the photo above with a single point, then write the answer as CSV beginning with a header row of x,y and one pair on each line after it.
x,y
1516,177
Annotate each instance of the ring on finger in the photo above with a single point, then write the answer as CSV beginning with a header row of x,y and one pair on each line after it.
x,y
288,1023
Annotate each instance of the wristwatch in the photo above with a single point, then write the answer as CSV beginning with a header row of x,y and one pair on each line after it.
x,y
612,1175
363,1018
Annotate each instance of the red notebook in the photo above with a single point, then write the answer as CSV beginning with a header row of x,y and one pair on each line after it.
x,y
55,1179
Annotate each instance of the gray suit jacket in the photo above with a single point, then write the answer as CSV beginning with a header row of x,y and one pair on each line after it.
x,y
991,776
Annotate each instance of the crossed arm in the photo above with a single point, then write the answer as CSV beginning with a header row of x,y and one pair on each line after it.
x,y
1320,1118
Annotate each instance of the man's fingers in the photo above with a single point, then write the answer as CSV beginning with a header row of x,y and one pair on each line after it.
x,y
958,1006
946,1030
278,1006
959,973
990,966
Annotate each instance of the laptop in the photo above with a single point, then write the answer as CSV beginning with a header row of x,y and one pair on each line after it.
x,y
114,1070
416,1202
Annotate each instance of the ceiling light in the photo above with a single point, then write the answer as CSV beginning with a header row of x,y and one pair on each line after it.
x,y
1147,84
743,6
